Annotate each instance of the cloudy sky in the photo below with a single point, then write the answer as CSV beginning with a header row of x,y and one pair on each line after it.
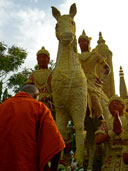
x,y
30,24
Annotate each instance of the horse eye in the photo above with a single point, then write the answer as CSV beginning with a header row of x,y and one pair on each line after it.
x,y
56,25
73,23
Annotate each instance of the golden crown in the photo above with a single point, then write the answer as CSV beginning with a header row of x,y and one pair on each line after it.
x,y
43,51
84,36
101,40
115,97
102,48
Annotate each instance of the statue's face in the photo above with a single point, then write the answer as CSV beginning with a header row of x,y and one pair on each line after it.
x,y
115,106
43,61
84,44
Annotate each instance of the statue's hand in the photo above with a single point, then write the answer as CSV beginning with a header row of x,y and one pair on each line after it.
x,y
106,72
107,69
117,124
99,81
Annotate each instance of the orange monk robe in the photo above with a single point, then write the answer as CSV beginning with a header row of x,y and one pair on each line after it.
x,y
29,137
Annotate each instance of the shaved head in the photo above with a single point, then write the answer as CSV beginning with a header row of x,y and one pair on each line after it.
x,y
32,90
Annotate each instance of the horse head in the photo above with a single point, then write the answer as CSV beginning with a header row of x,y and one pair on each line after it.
x,y
65,27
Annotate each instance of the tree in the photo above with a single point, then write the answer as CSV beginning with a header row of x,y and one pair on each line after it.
x,y
17,81
51,65
11,58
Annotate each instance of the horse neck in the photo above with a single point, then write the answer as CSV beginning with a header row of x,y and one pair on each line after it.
x,y
67,59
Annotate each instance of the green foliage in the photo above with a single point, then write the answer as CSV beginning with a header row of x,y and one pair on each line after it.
x,y
5,94
11,59
1,88
3,48
51,65
36,67
17,81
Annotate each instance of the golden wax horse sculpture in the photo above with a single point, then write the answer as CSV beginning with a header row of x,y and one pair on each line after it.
x,y
69,85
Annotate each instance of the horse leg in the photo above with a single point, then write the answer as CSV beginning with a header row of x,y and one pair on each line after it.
x,y
61,121
92,149
90,137
91,125
79,130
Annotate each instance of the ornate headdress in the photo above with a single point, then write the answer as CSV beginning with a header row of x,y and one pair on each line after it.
x,y
84,36
102,48
43,51
101,40
115,97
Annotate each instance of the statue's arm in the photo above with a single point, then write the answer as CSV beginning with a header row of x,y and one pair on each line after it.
x,y
101,138
102,134
30,79
105,66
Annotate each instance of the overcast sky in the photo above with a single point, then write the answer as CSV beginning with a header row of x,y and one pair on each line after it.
x,y
30,24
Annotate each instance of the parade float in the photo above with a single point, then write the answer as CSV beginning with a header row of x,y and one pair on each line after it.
x,y
82,88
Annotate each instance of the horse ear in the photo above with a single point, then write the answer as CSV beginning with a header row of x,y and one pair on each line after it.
x,y
73,10
56,13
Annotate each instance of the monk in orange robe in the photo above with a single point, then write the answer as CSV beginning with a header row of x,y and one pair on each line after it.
x,y
29,137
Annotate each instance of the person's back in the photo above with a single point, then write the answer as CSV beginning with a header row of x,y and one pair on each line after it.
x,y
18,147
24,140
